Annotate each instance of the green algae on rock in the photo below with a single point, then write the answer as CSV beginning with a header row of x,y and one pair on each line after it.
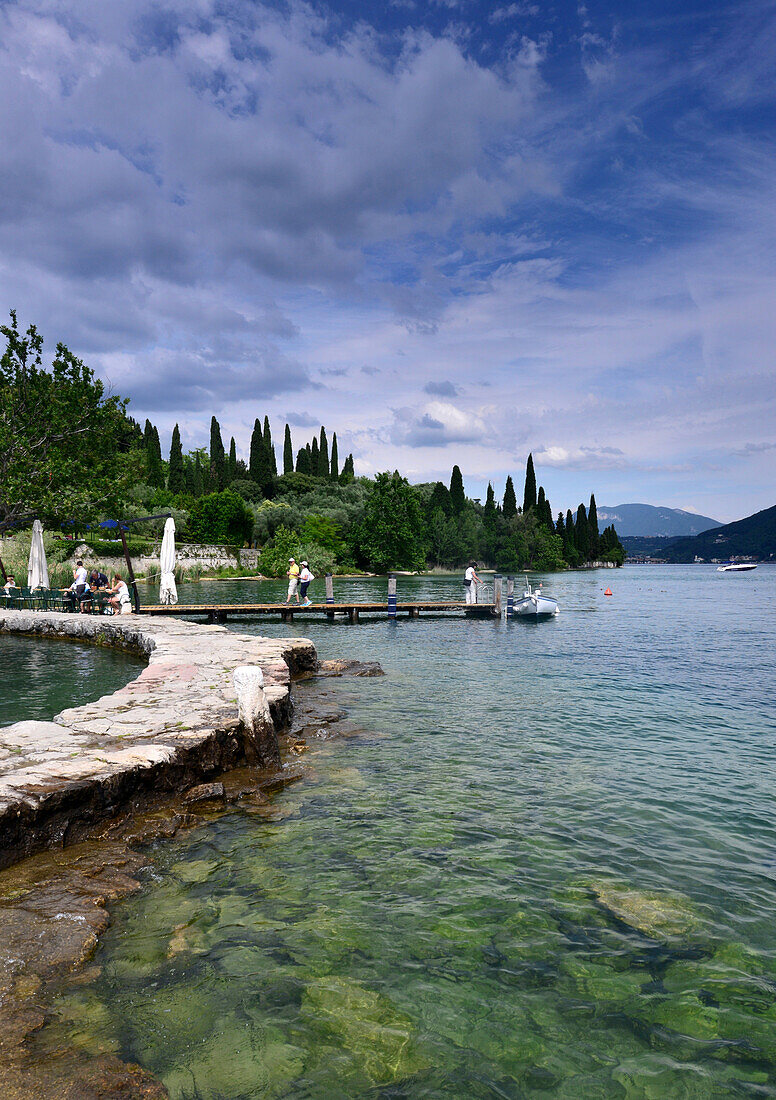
x,y
654,913
378,1037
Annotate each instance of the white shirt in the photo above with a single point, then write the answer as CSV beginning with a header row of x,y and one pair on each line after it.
x,y
80,575
122,592
306,575
469,575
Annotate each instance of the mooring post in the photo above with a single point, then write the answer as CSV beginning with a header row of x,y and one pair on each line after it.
x,y
329,594
510,597
261,745
391,595
497,595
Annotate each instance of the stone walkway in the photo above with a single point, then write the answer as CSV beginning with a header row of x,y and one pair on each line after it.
x,y
173,725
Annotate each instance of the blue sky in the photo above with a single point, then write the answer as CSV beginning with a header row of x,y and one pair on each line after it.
x,y
450,231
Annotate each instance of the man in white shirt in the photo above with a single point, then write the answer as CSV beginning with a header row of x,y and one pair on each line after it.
x,y
470,581
80,585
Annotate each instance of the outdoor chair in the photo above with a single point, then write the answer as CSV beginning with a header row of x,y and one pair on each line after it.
x,y
33,600
13,601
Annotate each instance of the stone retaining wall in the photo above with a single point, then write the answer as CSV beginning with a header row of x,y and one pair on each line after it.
x,y
175,724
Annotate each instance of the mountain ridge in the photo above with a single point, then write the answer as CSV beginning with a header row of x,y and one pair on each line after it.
x,y
753,536
649,520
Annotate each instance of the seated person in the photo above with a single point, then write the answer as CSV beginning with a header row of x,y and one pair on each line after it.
x,y
9,584
75,592
120,600
97,580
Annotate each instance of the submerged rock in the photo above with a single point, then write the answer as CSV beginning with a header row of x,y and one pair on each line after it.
x,y
654,913
378,1037
345,667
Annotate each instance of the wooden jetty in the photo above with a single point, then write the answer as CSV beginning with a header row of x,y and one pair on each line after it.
x,y
219,613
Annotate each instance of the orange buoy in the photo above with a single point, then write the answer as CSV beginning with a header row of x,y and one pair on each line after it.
x,y
608,592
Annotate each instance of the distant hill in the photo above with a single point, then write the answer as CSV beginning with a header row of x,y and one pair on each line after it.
x,y
646,520
646,546
754,536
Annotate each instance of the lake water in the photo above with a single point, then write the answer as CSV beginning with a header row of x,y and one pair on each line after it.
x,y
42,676
549,871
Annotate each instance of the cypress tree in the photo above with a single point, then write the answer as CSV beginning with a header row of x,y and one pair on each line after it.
x,y
198,480
440,498
176,481
217,457
348,473
155,464
489,512
288,453
302,461
314,457
272,462
529,493
258,465
232,464
457,495
334,463
540,502
509,506
592,528
581,535
560,526
323,455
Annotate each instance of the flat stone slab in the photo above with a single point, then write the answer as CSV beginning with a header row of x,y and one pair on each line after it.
x,y
174,723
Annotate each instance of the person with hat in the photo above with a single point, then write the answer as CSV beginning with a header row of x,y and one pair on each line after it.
x,y
293,580
304,583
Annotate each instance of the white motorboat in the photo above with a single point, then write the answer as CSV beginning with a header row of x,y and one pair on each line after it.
x,y
535,605
737,567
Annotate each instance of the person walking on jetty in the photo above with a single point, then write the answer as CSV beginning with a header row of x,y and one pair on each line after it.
x,y
304,583
470,581
293,580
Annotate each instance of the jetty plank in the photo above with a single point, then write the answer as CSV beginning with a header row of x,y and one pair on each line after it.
x,y
352,611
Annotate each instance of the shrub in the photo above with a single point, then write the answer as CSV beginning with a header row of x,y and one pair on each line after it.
x,y
221,518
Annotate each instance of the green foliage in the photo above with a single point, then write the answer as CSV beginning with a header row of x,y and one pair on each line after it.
x,y
489,514
529,492
260,466
221,518
391,534
269,449
246,489
323,456
231,465
325,532
217,478
440,498
457,494
509,506
581,535
348,473
594,541
154,464
288,452
176,480
285,544
65,447
334,464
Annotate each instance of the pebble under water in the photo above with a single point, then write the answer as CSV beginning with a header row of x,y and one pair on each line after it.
x,y
546,869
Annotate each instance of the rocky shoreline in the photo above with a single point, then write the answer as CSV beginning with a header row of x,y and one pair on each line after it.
x,y
175,725
55,904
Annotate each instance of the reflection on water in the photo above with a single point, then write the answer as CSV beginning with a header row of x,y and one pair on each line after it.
x,y
554,876
41,676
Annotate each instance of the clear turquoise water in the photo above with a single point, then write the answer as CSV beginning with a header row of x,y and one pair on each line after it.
x,y
551,871
42,676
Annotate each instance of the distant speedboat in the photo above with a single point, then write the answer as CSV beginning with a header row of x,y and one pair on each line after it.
x,y
737,567
535,605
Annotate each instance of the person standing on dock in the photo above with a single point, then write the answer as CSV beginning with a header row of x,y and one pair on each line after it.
x,y
304,583
293,580
470,582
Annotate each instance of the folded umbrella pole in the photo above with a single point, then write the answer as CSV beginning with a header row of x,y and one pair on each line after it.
x,y
168,593
37,567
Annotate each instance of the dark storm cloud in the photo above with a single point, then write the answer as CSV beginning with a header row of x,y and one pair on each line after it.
x,y
441,389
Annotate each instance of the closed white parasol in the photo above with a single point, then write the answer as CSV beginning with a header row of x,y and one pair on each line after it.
x,y
37,568
168,593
